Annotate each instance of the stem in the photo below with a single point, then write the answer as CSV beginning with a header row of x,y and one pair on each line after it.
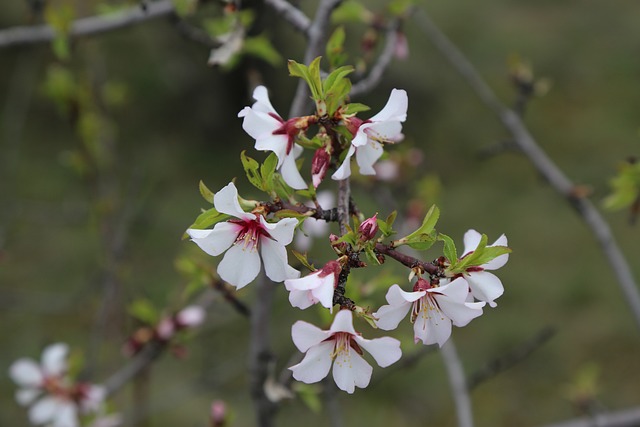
x,y
458,384
344,192
409,261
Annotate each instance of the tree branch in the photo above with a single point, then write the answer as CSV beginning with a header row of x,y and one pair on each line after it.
x,y
544,165
87,26
381,64
291,14
458,383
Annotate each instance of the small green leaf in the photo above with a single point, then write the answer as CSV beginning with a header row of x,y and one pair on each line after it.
x,y
205,192
425,235
449,248
267,170
208,218
143,310
351,11
354,108
303,260
335,48
310,396
261,47
470,260
251,168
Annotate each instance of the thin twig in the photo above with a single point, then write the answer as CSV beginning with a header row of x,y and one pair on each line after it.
x,y
511,358
544,165
458,384
87,26
379,67
291,14
624,418
344,193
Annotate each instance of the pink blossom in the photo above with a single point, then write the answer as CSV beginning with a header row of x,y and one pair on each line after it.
x,y
340,346
433,309
369,228
315,287
242,237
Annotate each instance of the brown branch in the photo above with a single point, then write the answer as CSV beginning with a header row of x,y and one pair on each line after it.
x,y
543,164
87,26
409,261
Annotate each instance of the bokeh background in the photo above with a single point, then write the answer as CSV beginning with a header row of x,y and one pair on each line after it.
x,y
80,240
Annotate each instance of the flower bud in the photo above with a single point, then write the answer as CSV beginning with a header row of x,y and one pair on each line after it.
x,y
218,413
319,166
190,317
369,228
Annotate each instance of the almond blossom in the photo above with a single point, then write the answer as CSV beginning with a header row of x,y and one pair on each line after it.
x,y
433,309
340,346
242,237
484,286
315,287
369,135
53,398
273,133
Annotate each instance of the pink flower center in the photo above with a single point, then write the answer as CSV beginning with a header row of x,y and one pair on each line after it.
x,y
250,233
426,307
344,343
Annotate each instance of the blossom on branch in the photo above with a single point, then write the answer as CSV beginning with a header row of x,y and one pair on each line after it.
x,y
242,237
484,286
340,346
316,287
53,399
433,309
273,133
369,135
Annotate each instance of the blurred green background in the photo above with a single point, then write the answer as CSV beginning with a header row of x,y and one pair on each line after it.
x,y
169,121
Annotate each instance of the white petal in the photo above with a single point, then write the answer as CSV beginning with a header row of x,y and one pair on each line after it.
x,y
396,296
291,174
54,359
192,315
500,261
457,290
258,124
282,231
343,322
386,350
344,171
226,201
215,241
315,365
471,241
66,415
239,266
26,396
26,373
485,286
432,327
460,313
275,143
305,335
324,292
301,299
274,256
263,104
43,410
308,282
395,108
350,370
389,316
367,155
384,132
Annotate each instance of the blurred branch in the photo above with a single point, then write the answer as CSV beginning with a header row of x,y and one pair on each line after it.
x,y
315,46
291,14
510,359
381,64
624,418
88,26
458,384
544,165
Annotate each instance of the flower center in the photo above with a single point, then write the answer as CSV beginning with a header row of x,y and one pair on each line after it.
x,y
427,307
250,233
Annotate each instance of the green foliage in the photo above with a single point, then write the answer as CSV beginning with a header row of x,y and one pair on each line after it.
x,y
336,88
425,236
351,11
482,254
208,218
261,47
60,19
310,74
303,260
310,396
354,108
60,86
335,48
449,249
144,311
205,192
386,226
185,8
625,187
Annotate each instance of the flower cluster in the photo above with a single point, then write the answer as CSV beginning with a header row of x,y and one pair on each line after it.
x,y
52,397
450,291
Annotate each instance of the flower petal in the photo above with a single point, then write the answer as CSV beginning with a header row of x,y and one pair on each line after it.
x,y
301,299
291,174
215,241
395,108
315,365
471,240
390,316
276,265
54,359
350,370
432,327
305,283
66,415
263,104
324,292
501,260
344,171
305,335
26,373
226,201
343,322
461,313
367,155
386,350
276,143
282,231
26,396
239,266
44,410
395,295
485,286
258,124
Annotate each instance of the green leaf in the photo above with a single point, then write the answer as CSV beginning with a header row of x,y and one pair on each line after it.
x,y
424,243
262,48
470,260
335,48
143,310
350,12
205,192
354,108
625,187
425,236
310,396
303,260
251,168
310,74
208,218
449,248
488,254
267,170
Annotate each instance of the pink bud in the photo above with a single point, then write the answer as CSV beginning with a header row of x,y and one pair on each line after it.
x,y
165,329
421,285
218,413
319,166
401,48
369,228
190,317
